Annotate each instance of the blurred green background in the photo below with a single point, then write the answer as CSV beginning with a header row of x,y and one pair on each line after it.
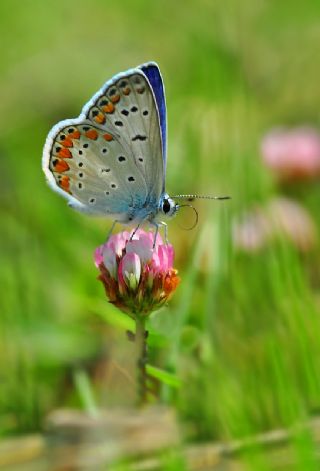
x,y
242,332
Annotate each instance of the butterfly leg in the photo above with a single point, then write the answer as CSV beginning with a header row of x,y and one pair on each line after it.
x,y
156,225
111,230
135,230
165,232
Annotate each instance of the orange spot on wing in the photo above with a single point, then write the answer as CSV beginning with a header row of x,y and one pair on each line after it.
x,y
109,108
127,91
64,183
108,137
115,98
60,166
92,134
141,90
75,135
66,143
100,118
65,153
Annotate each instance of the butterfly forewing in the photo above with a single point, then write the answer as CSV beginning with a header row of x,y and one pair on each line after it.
x,y
127,106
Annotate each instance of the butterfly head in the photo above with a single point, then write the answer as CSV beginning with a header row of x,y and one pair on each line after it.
x,y
169,208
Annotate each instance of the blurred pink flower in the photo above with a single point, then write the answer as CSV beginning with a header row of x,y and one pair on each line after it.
x,y
292,154
281,217
137,277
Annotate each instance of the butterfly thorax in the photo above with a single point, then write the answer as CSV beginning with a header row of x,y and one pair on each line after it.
x,y
140,211
151,210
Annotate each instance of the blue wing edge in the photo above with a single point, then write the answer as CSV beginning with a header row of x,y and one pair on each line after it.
x,y
152,72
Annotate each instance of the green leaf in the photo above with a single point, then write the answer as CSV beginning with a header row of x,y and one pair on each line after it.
x,y
164,376
86,394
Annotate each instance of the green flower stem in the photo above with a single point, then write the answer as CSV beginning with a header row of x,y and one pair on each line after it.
x,y
141,336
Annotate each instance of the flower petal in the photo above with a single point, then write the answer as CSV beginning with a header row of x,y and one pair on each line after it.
x,y
110,261
142,247
170,254
98,256
129,270
292,153
117,242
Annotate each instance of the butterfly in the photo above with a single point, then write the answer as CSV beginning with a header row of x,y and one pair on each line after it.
x,y
111,160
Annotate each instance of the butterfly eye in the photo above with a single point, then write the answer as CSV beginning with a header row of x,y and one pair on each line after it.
x,y
168,207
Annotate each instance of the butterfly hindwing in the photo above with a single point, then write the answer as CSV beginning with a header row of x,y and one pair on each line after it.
x,y
93,170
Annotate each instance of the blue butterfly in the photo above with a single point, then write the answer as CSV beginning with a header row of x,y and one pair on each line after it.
x,y
111,160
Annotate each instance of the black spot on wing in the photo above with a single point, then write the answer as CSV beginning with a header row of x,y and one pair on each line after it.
x,y
139,137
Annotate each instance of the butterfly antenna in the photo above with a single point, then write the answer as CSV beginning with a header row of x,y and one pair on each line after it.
x,y
196,219
204,197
